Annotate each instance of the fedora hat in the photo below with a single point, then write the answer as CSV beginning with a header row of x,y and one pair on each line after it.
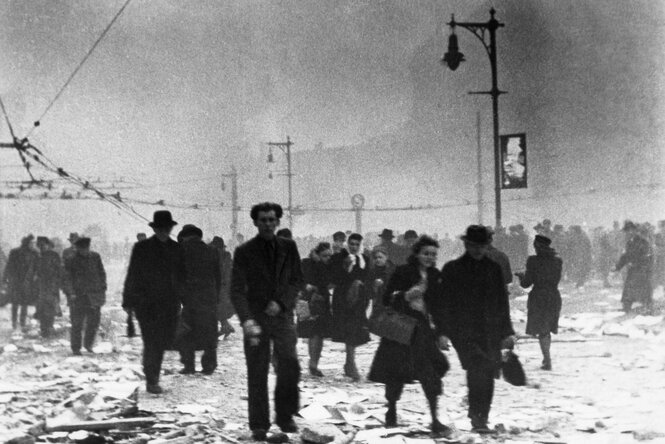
x,y
387,234
72,237
629,225
82,242
410,234
190,230
162,219
477,234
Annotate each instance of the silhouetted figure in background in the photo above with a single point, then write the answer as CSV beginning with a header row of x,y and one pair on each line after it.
x,y
21,288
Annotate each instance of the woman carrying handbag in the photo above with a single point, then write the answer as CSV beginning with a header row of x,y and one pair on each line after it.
x,y
414,291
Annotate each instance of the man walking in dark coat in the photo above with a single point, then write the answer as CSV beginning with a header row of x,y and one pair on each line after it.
x,y
265,282
22,291
154,281
477,319
85,280
49,279
199,301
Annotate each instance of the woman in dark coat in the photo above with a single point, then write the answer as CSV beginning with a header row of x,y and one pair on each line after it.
x,y
638,259
414,289
543,271
316,272
350,299
199,301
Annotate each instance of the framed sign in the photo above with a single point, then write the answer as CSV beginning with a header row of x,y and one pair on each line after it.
x,y
513,161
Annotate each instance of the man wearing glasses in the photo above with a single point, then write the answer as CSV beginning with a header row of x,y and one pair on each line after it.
x,y
265,282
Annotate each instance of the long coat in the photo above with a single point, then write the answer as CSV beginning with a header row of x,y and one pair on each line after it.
x,y
254,284
49,275
543,271
349,318
317,274
421,359
637,287
225,308
153,286
85,275
476,310
21,288
201,293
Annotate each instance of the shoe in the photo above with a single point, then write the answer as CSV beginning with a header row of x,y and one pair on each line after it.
x,y
546,366
76,352
259,435
479,425
391,418
207,371
315,372
287,425
89,349
441,429
155,389
278,438
187,371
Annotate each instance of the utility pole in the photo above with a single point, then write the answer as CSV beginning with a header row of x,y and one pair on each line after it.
x,y
286,149
479,156
235,208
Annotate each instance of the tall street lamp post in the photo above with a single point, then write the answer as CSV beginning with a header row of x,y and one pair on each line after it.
x,y
286,148
454,57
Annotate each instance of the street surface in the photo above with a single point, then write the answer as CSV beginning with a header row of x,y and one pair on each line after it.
x,y
607,386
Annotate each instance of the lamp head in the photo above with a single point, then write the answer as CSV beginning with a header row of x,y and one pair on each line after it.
x,y
453,57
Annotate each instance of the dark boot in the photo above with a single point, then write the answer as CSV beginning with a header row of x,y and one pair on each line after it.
x,y
391,415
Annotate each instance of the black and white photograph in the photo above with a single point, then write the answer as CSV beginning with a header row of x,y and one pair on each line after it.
x,y
348,221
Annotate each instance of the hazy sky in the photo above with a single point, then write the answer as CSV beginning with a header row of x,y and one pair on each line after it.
x,y
178,90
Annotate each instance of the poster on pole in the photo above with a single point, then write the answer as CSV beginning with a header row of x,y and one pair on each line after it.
x,y
513,161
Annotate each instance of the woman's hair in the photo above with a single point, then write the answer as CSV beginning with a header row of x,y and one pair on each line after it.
x,y
422,242
380,249
322,246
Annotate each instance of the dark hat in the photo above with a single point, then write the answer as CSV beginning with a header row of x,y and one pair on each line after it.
x,y
161,219
72,237
83,242
539,226
217,241
43,240
387,234
477,234
339,235
190,230
540,239
284,233
628,225
410,234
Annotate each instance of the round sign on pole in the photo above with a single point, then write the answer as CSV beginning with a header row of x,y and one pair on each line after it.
x,y
357,201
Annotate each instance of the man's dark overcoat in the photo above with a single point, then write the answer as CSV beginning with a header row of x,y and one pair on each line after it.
x,y
201,293
476,310
85,275
637,287
49,273
153,287
21,289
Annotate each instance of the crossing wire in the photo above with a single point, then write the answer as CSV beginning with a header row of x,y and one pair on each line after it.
x,y
71,77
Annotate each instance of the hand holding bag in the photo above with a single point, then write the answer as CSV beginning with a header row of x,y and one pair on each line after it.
x,y
512,370
391,324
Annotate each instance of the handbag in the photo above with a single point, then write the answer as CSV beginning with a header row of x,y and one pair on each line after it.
x,y
512,369
393,325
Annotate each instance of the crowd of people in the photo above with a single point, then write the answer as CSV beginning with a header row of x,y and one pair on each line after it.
x,y
184,292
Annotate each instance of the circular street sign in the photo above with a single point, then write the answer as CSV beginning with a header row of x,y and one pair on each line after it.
x,y
358,201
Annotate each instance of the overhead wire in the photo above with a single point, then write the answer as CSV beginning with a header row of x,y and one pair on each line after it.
x,y
76,70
